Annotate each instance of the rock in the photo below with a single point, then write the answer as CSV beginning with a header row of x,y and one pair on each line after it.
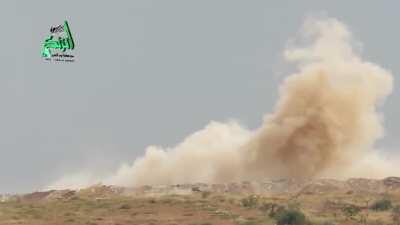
x,y
61,195
36,196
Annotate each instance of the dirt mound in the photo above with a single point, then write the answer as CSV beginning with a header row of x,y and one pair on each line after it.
x,y
303,186
366,185
101,191
392,183
324,186
283,185
36,196
61,195
279,186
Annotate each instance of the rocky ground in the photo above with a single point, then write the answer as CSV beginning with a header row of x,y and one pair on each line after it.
x,y
322,201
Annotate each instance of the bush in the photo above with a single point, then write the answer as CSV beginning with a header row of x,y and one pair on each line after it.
x,y
125,206
382,205
351,210
291,217
250,202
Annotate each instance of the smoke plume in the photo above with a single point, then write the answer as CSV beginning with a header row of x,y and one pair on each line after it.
x,y
324,124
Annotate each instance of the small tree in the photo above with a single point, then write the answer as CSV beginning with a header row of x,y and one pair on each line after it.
x,y
382,205
250,201
350,211
291,217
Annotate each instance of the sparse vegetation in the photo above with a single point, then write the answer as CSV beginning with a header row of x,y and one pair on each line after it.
x,y
205,194
125,206
396,215
328,222
207,223
350,211
291,217
267,207
382,205
276,211
250,202
377,222
210,208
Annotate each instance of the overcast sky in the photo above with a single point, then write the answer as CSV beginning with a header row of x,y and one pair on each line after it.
x,y
151,72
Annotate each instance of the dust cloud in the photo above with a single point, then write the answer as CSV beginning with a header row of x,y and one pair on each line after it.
x,y
324,125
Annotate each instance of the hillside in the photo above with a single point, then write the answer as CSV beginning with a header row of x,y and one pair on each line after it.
x,y
323,201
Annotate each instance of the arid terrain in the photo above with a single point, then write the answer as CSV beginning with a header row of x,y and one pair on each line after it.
x,y
286,201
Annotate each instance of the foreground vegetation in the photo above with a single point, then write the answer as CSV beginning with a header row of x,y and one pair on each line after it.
x,y
205,208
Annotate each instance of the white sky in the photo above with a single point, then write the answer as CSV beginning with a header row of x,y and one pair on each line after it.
x,y
152,72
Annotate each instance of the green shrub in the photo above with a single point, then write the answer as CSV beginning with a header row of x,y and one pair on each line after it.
x,y
382,205
291,217
351,210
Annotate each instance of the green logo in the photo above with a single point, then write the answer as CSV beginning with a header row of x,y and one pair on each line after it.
x,y
62,43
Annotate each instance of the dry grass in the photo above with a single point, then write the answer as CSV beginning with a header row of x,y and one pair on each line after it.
x,y
195,209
